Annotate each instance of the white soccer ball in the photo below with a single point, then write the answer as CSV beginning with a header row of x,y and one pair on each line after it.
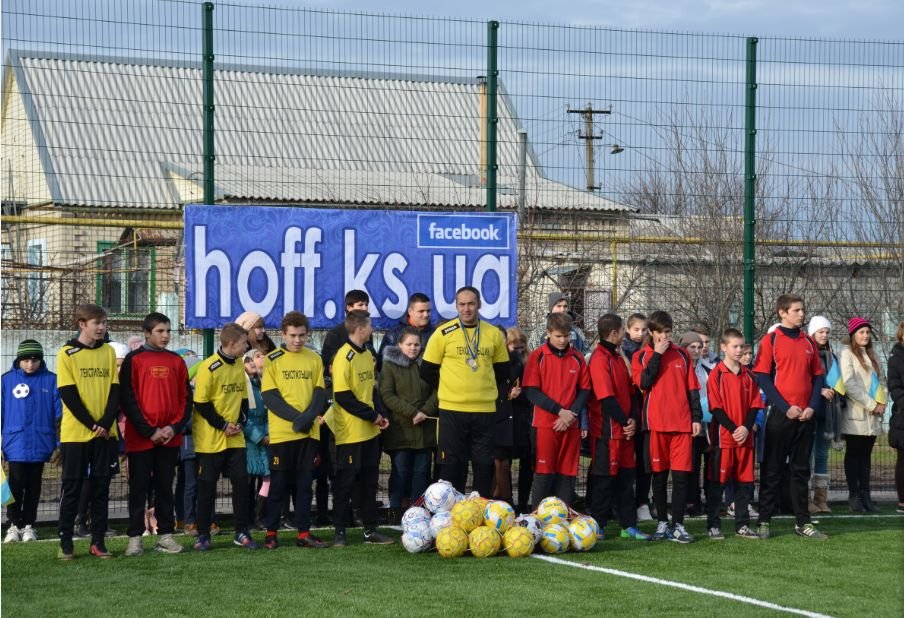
x,y
531,523
415,543
21,390
421,527
415,515
439,521
440,497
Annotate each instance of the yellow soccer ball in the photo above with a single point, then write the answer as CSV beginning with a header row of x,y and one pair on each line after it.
x,y
555,539
484,542
499,515
552,510
582,534
518,542
467,515
451,542
589,520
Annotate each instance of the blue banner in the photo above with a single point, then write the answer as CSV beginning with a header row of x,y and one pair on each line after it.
x,y
272,260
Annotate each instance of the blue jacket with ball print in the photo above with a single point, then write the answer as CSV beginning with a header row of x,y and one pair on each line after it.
x,y
31,406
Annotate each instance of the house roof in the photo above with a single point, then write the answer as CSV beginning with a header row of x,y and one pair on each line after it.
x,y
128,133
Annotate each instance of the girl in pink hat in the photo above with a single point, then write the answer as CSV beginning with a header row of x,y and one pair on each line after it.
x,y
861,421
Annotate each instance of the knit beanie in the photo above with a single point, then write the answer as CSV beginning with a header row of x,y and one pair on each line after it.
x,y
29,349
688,338
855,324
555,298
248,319
818,322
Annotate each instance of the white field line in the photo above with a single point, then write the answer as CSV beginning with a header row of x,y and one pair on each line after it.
x,y
687,587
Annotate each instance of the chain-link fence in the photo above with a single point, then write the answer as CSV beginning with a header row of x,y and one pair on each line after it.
x,y
623,153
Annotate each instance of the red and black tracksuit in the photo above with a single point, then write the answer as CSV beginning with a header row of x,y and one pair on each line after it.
x,y
155,393
671,404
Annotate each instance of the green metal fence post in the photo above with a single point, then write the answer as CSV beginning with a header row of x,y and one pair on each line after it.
x,y
492,120
750,189
209,155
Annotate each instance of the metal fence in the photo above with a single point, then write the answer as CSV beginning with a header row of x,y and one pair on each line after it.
x,y
628,156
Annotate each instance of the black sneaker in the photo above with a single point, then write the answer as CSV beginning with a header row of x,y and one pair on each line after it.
x,y
67,549
809,531
372,537
99,550
81,531
310,541
339,539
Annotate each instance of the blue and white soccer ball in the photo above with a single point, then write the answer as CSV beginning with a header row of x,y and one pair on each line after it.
x,y
414,515
439,521
531,523
440,497
415,542
421,527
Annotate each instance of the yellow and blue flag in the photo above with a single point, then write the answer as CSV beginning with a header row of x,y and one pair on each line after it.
x,y
834,380
6,495
876,390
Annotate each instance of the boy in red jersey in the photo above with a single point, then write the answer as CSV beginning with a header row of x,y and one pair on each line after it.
x,y
671,414
613,427
157,405
734,401
789,372
557,382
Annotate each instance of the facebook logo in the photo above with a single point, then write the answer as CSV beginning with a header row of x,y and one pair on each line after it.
x,y
462,231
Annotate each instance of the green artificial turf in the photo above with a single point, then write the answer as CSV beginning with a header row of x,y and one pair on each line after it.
x,y
859,572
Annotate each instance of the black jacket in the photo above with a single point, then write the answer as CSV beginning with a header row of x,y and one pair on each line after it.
x,y
896,390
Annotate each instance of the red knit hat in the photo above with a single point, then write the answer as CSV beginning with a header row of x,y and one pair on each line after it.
x,y
855,324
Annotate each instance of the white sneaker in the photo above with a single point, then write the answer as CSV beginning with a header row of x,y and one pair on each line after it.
x,y
135,548
168,545
730,510
13,535
752,511
29,534
643,513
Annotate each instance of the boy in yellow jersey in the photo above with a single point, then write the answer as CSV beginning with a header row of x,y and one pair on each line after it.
x,y
89,387
221,409
293,391
356,426
466,359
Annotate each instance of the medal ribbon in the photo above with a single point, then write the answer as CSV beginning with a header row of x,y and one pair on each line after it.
x,y
472,346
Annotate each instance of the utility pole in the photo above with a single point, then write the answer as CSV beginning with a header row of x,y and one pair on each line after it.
x,y
588,136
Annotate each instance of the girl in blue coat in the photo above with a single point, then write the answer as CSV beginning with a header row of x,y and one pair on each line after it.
x,y
31,407
257,437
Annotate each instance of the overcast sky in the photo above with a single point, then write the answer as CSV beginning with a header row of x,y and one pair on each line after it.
x,y
864,19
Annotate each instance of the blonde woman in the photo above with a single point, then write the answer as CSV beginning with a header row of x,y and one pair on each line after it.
x,y
861,421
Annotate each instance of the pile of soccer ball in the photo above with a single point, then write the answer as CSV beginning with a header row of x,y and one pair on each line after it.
x,y
454,524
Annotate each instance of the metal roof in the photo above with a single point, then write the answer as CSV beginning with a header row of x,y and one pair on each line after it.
x,y
115,132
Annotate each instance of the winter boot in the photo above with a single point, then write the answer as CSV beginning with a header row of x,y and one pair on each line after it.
x,y
821,493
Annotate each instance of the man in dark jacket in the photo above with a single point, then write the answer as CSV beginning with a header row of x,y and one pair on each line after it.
x,y
417,317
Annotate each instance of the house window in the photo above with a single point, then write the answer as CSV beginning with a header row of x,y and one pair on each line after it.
x,y
36,282
126,279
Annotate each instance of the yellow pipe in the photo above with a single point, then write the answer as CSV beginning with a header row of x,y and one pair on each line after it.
x,y
160,225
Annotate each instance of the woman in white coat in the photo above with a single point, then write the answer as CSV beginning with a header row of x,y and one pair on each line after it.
x,y
861,420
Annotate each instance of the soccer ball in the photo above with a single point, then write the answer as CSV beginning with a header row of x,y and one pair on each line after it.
x,y
439,521
414,542
518,542
451,542
484,542
499,515
413,515
421,527
467,515
555,539
589,520
532,524
583,534
440,497
552,510
21,390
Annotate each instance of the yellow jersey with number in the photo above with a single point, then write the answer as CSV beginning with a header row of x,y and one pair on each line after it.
x,y
462,388
92,371
221,383
353,371
295,375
